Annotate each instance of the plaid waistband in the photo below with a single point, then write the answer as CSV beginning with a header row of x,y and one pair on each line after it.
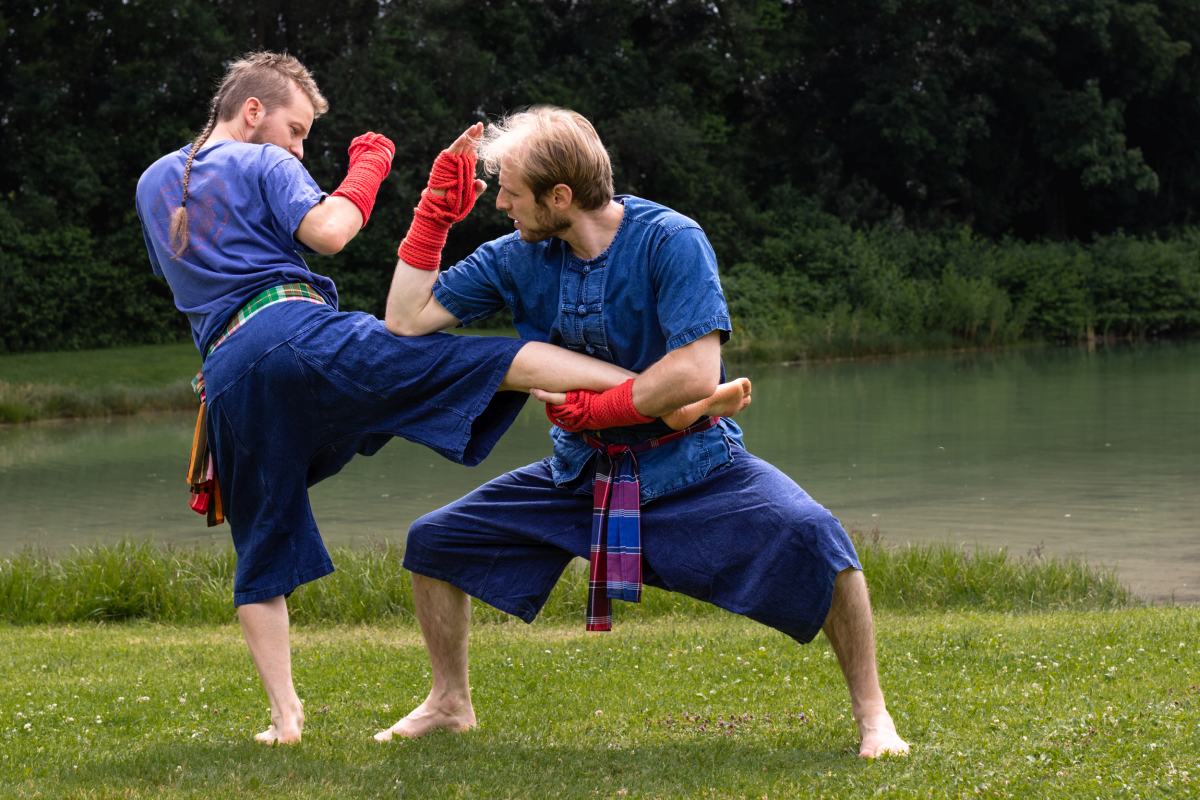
x,y
615,557
267,297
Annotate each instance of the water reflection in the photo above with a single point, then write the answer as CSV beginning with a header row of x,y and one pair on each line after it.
x,y
1074,453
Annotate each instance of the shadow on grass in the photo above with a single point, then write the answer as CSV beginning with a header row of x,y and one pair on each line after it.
x,y
472,765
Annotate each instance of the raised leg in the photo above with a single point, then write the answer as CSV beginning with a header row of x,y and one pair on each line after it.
x,y
850,629
265,627
444,613
556,369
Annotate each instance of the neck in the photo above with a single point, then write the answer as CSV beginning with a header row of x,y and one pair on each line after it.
x,y
591,232
227,131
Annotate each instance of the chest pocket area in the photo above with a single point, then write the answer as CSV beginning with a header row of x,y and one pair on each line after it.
x,y
581,310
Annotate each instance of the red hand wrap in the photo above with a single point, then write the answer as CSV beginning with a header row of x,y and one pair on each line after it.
x,y
433,216
592,411
370,162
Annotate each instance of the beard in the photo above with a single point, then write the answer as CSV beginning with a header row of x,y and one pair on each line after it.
x,y
547,224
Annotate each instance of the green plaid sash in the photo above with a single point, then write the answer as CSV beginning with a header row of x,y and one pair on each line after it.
x,y
267,297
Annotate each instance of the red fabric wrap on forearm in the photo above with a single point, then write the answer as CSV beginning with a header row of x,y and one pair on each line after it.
x,y
453,173
370,162
586,410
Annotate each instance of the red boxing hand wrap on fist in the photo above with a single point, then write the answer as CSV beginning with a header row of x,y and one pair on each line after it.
x,y
455,174
370,162
593,411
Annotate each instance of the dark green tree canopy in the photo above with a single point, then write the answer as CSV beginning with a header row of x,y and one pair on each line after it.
x,y
1034,119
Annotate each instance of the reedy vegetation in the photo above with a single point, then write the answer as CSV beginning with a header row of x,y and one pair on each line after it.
x,y
193,585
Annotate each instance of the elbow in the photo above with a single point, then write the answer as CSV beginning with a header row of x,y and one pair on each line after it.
x,y
701,386
401,327
329,239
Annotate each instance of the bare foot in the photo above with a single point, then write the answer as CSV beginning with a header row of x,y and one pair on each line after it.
x,y
286,726
279,735
729,399
427,718
879,737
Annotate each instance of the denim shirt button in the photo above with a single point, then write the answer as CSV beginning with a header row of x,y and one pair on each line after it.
x,y
582,309
585,270
589,349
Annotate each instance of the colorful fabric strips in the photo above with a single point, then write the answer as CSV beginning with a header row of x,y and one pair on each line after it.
x,y
201,474
615,563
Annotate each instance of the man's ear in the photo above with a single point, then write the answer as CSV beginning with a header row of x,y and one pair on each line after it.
x,y
253,112
561,197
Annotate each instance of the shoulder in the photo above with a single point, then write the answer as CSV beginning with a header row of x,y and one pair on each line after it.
x,y
657,217
511,250
171,163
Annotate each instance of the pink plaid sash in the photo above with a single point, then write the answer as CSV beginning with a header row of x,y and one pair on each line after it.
x,y
615,563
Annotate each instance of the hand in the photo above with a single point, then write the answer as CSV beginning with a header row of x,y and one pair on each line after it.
x,y
467,142
371,143
370,162
447,198
549,398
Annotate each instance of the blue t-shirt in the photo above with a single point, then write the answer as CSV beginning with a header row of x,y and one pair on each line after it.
x,y
245,202
653,290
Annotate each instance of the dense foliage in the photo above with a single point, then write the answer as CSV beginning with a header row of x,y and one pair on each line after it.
x,y
894,163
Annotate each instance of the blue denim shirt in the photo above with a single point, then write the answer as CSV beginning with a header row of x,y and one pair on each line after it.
x,y
653,290
246,202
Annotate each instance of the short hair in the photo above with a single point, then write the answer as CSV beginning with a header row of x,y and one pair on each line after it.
x,y
267,76
549,146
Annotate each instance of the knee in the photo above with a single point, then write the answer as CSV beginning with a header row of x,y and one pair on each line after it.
x,y
423,531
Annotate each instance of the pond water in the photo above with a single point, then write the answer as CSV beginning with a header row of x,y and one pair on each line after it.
x,y
1062,452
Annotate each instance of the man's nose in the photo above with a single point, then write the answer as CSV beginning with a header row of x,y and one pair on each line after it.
x,y
297,150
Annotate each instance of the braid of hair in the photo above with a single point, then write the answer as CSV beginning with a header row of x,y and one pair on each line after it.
x,y
179,218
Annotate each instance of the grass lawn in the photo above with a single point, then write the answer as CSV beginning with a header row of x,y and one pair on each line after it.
x,y
1055,704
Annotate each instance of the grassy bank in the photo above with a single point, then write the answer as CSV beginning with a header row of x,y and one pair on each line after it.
x,y
97,383
1056,704
87,383
193,585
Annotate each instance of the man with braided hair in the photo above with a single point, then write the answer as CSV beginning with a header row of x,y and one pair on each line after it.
x,y
292,390
634,283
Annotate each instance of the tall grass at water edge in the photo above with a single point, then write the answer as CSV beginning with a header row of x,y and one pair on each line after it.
x,y
142,580
94,383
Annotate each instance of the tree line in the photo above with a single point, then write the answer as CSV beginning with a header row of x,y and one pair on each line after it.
x,y
1028,127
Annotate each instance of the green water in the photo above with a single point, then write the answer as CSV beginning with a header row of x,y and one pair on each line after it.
x,y
1062,452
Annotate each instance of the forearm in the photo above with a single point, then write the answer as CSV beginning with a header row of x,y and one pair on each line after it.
x,y
410,304
544,366
683,376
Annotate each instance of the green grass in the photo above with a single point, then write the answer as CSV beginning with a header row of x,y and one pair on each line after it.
x,y
88,383
193,585
120,380
1057,704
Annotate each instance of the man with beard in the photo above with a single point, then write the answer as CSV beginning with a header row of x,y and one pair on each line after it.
x,y
634,283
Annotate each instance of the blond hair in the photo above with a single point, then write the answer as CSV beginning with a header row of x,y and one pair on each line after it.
x,y
549,146
267,76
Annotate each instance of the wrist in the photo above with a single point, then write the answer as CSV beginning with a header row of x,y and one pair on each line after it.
x,y
422,245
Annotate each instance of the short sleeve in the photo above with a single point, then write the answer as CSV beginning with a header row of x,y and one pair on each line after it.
x,y
474,288
690,301
289,190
